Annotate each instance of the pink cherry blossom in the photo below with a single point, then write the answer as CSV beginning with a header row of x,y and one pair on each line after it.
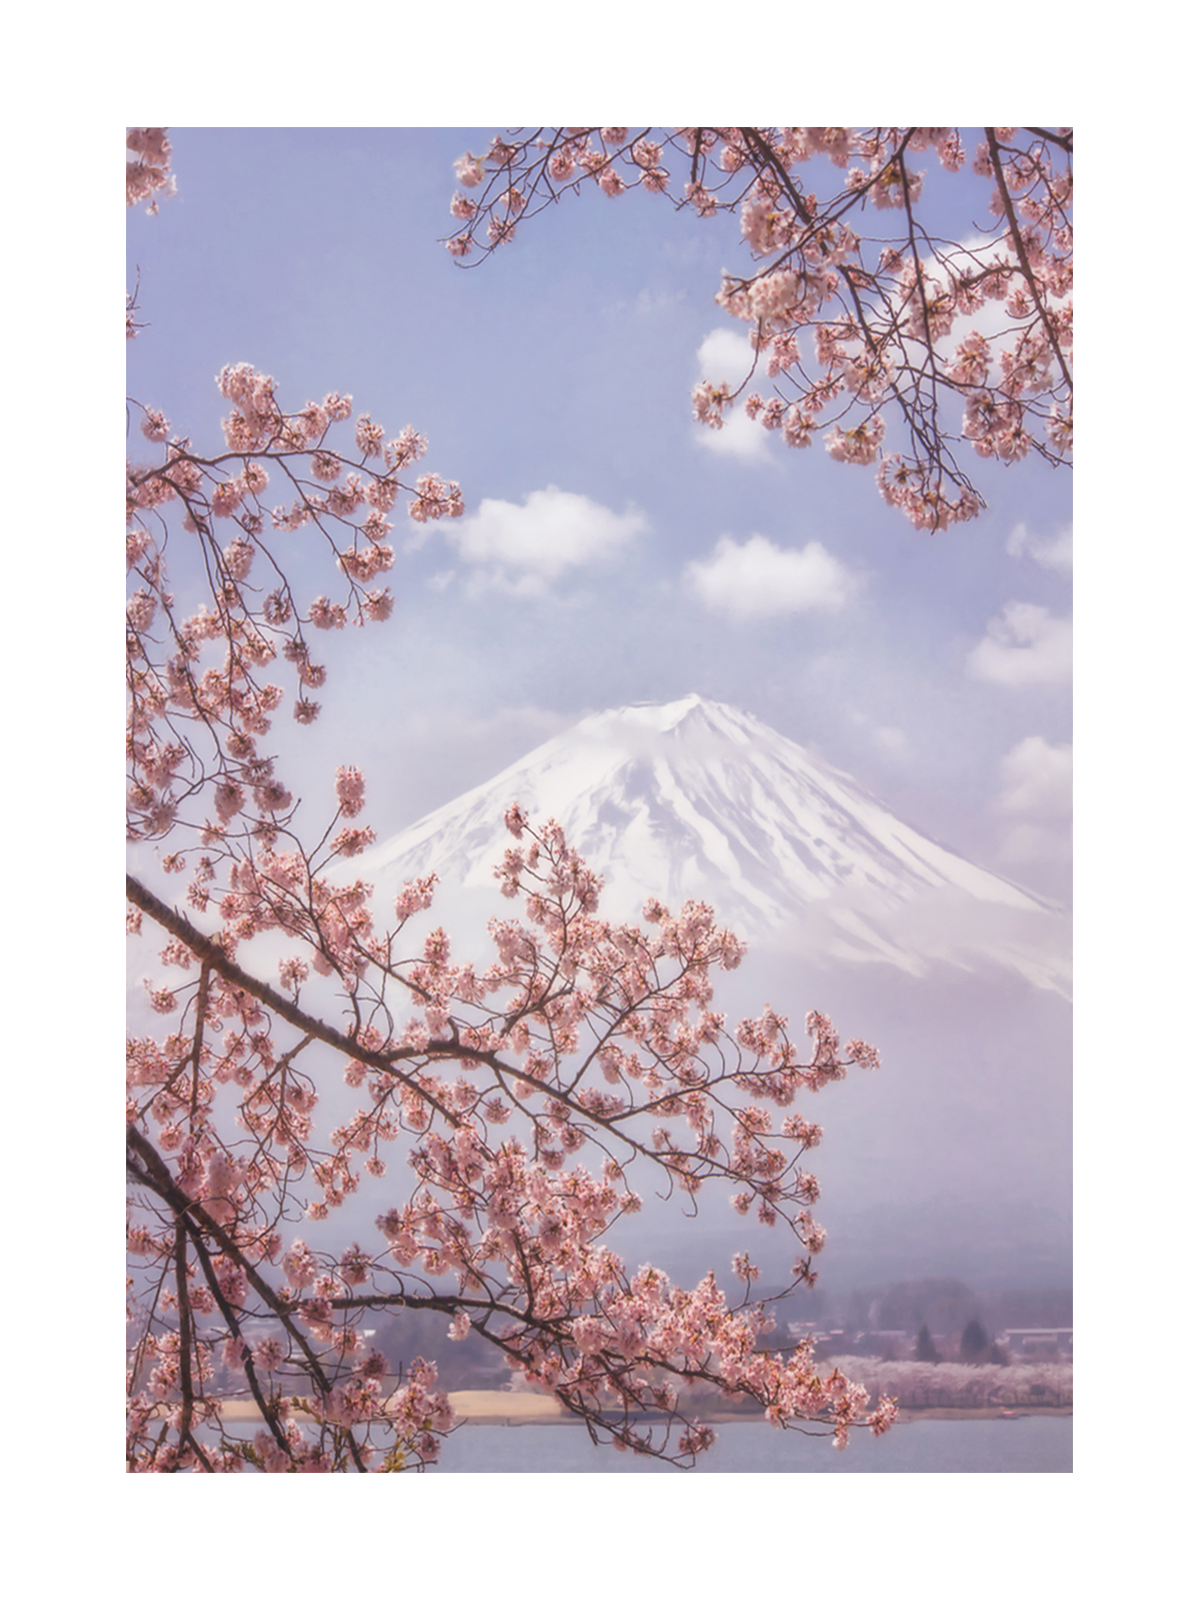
x,y
350,787
894,319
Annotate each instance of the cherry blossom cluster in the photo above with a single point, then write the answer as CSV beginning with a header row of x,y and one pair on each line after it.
x,y
863,324
201,697
147,166
298,1034
593,1046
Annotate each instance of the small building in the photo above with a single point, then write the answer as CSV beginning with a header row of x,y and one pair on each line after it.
x,y
1038,1344
893,1343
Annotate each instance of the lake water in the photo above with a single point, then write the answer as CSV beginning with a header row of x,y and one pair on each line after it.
x,y
1023,1444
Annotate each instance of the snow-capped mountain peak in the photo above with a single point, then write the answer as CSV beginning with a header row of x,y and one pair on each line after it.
x,y
697,800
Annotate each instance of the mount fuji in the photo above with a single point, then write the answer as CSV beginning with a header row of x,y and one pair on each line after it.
x,y
697,800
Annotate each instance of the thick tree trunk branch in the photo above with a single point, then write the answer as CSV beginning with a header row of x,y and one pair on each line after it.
x,y
212,955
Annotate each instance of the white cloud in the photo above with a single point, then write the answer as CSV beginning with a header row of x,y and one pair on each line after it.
x,y
1037,778
740,439
524,548
758,579
1024,645
726,357
1037,796
1055,552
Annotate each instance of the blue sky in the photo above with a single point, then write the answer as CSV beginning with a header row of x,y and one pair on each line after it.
x,y
613,550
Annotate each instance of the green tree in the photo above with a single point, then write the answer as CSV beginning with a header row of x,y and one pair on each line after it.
x,y
974,1342
926,1349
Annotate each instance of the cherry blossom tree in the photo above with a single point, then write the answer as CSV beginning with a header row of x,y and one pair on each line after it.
x,y
298,1034
960,1384
866,323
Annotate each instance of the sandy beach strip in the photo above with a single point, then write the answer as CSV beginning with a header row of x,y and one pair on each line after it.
x,y
503,1406
470,1405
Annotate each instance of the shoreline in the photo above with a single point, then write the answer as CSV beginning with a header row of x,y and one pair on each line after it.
x,y
503,1409
978,1413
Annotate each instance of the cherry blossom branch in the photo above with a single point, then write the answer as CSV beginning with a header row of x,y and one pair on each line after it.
x,y
266,1410
185,1347
812,258
1065,141
149,1169
1014,230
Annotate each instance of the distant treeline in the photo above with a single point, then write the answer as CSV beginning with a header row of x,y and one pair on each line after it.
x,y
918,1383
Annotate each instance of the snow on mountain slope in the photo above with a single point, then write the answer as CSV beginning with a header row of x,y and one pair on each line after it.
x,y
696,800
